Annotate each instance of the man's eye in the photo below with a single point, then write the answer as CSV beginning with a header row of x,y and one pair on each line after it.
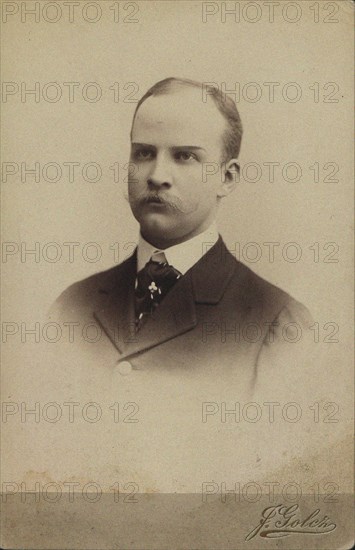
x,y
185,155
143,154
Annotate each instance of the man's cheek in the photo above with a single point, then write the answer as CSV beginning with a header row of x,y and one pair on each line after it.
x,y
193,206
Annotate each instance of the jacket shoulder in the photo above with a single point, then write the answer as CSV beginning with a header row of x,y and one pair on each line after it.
x,y
266,299
88,293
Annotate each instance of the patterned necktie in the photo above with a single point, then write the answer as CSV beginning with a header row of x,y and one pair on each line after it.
x,y
153,283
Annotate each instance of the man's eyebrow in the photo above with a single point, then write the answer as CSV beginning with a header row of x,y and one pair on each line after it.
x,y
142,144
191,147
174,147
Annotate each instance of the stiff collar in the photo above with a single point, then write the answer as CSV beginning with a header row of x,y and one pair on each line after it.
x,y
181,256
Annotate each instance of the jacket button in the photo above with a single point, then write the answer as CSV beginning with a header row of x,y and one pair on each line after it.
x,y
124,367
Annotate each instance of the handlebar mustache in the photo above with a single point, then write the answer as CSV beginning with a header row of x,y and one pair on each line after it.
x,y
171,201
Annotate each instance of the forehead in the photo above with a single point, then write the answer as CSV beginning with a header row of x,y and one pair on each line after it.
x,y
179,117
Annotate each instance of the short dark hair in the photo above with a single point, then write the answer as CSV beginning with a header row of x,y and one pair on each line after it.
x,y
232,136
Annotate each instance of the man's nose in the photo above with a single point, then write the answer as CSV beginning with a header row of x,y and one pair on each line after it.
x,y
160,175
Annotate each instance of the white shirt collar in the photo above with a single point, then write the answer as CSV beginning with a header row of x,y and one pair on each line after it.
x,y
181,256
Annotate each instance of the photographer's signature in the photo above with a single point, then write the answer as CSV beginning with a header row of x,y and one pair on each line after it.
x,y
282,521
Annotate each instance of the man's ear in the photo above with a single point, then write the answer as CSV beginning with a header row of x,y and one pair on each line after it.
x,y
230,177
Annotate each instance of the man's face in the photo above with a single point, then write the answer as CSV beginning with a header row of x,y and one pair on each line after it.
x,y
173,136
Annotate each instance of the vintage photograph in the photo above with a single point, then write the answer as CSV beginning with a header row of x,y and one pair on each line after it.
x,y
184,162
177,269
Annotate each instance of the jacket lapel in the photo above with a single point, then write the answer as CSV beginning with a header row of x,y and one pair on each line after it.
x,y
116,312
205,283
174,316
211,275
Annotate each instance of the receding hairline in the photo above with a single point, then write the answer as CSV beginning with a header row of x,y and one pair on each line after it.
x,y
224,105
216,121
187,95
167,87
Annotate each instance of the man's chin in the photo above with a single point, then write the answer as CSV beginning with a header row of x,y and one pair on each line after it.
x,y
157,229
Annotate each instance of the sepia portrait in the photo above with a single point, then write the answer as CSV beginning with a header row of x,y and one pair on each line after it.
x,y
177,261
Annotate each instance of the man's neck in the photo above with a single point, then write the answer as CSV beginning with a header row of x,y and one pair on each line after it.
x,y
163,244
183,254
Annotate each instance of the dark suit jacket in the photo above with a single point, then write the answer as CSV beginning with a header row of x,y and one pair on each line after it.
x,y
219,318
